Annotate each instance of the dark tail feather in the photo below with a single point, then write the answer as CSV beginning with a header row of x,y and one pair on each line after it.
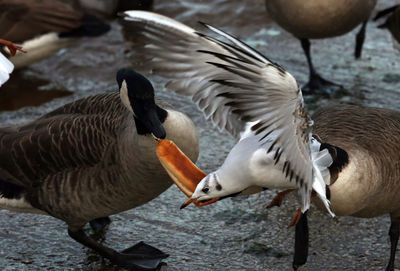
x,y
385,12
91,27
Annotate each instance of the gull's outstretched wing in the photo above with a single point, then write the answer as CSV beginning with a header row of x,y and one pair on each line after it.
x,y
234,85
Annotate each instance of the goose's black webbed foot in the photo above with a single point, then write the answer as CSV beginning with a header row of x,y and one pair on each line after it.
x,y
320,86
140,257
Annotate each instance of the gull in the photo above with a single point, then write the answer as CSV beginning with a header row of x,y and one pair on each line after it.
x,y
247,94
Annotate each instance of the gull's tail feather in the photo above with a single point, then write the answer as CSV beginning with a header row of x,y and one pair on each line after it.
x,y
321,161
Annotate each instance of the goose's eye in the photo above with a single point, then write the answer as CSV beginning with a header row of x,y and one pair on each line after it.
x,y
205,190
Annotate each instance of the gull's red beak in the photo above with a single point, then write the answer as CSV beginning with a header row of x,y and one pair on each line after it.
x,y
185,174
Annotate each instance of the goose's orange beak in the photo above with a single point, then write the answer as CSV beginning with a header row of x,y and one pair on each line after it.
x,y
183,172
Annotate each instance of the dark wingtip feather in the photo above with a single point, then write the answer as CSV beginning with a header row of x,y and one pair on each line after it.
x,y
203,24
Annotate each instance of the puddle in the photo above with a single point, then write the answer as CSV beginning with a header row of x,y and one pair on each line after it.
x,y
25,90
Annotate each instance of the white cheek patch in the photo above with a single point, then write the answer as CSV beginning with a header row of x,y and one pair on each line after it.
x,y
123,94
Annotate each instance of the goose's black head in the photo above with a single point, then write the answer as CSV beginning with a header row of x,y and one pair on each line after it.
x,y
137,94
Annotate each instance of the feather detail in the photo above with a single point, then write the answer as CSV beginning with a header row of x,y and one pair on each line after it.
x,y
233,85
321,162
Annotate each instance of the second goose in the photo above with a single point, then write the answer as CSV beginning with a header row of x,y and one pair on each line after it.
x,y
93,158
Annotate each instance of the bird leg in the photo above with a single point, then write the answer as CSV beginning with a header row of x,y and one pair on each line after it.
x,y
277,200
316,84
138,257
12,47
100,224
298,214
394,233
360,37
301,242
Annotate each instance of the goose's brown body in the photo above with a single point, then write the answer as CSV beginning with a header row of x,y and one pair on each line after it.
x,y
369,185
85,160
315,19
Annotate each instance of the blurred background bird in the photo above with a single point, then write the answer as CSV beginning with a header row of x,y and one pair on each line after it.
x,y
319,19
44,26
392,23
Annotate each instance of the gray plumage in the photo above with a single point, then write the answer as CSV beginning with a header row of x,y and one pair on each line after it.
x,y
237,88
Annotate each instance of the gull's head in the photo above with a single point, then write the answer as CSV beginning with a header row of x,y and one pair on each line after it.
x,y
208,188
212,188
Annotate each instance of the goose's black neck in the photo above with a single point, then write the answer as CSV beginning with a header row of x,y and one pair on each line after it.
x,y
142,129
137,93
340,160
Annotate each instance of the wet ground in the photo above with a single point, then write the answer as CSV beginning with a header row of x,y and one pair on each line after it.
x,y
238,234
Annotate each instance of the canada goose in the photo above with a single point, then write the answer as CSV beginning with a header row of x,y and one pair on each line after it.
x,y
275,148
247,94
365,173
392,23
6,67
318,19
92,158
43,27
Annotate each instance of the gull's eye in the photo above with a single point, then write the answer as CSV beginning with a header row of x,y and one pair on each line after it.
x,y
205,190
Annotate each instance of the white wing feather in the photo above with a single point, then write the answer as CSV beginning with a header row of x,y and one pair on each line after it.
x,y
233,85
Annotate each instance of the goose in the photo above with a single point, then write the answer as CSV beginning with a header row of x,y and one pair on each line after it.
x,y
347,154
392,23
43,27
6,67
93,158
316,19
365,173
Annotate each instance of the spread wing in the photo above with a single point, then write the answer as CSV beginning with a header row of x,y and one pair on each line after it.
x,y
235,86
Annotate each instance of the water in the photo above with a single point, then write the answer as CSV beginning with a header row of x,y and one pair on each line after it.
x,y
235,234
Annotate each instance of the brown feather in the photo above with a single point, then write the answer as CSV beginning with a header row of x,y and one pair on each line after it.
x,y
22,20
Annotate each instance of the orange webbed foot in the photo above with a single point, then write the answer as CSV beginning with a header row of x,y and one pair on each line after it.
x,y
12,47
277,200
295,218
